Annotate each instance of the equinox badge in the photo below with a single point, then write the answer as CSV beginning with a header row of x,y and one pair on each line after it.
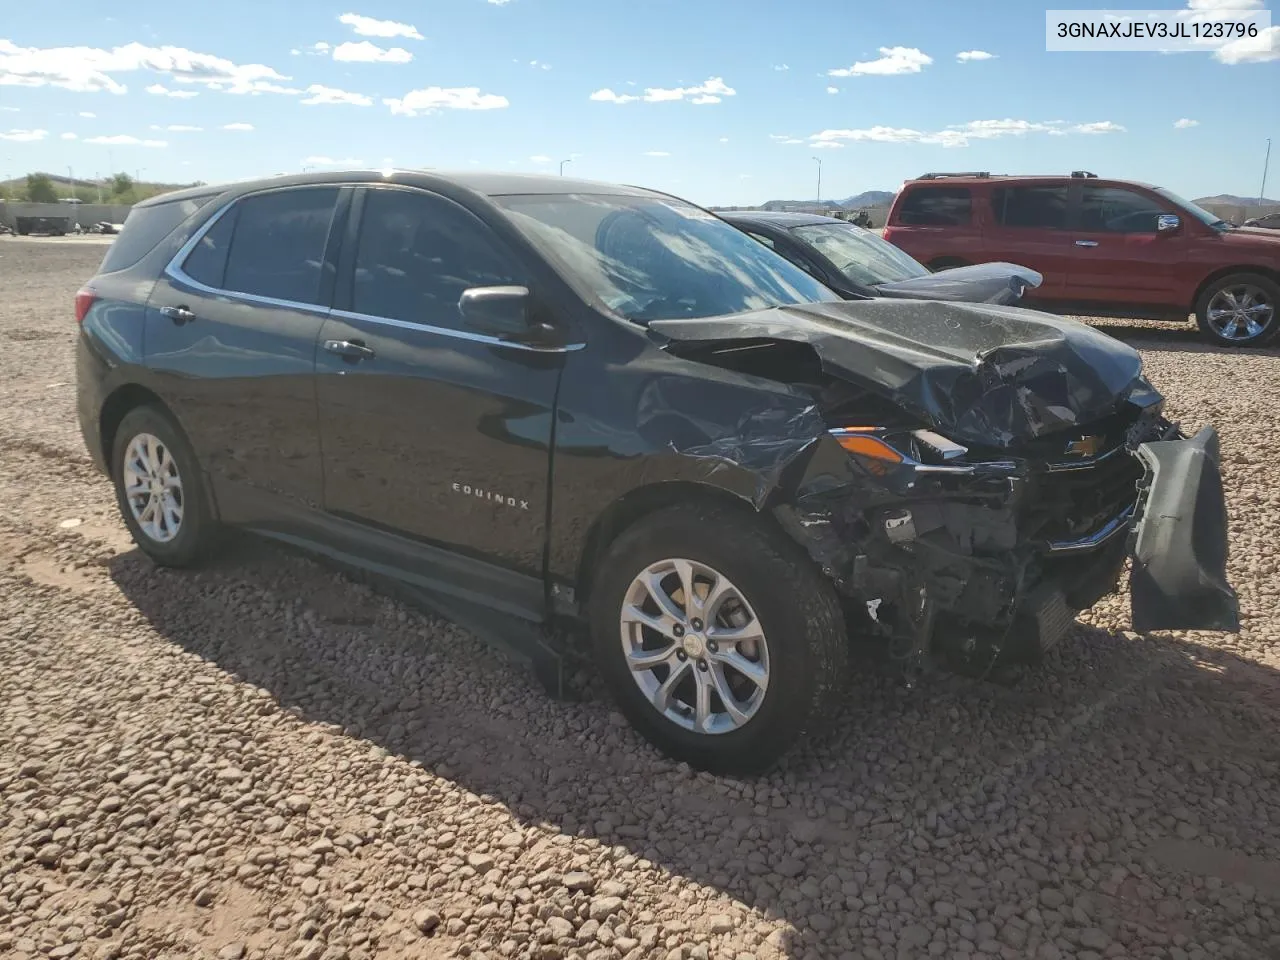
x,y
470,491
1084,447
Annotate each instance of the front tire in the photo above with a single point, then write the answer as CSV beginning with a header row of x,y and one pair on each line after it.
x,y
1239,310
160,489
720,640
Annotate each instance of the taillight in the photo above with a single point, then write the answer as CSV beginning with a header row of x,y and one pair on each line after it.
x,y
84,300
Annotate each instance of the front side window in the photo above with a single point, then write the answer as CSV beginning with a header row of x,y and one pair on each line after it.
x,y
277,247
1040,207
936,207
862,257
1116,210
417,254
656,258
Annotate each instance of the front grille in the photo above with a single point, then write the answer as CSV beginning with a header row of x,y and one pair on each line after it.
x,y
1070,504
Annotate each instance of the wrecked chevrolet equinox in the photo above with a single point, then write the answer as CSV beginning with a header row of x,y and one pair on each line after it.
x,y
549,401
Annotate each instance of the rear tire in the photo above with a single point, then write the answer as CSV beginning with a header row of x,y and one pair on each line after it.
x,y
783,684
1239,310
160,489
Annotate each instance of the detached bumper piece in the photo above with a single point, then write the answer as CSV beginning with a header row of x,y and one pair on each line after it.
x,y
1179,540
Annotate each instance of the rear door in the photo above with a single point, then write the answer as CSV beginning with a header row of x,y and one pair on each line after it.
x,y
431,432
1118,256
1028,225
230,334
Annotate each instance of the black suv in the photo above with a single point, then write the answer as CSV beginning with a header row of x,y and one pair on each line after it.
x,y
561,401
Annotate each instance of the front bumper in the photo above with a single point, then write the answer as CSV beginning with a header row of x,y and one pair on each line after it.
x,y
1179,540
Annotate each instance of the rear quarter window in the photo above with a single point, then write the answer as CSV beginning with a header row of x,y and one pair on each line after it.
x,y
144,228
936,207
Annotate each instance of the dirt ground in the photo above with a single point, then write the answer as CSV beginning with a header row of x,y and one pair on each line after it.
x,y
265,759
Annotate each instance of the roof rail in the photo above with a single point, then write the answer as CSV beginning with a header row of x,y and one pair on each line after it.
x,y
943,176
1083,175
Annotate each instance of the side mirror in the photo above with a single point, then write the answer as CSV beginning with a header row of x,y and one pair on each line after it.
x,y
1167,222
497,311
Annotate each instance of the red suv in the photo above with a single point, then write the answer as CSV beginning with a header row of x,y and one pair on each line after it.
x,y
1105,247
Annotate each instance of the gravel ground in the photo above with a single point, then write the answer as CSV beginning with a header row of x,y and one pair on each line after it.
x,y
266,759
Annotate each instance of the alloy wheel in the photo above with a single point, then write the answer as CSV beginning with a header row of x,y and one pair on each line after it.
x,y
1240,312
153,487
694,646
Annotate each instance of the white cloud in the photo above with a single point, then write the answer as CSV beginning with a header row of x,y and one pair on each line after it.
x,y
781,67
238,127
724,139
712,90
540,158
369,27
1260,49
964,56
24,136
960,134
124,140
656,153
893,61
499,3
1102,126
87,115
539,65
69,136
1210,5
10,109
1185,124
784,138
92,69
433,99
827,145
833,89
162,91
177,128
320,94
330,162
366,52
321,47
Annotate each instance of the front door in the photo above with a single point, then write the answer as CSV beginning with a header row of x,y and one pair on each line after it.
x,y
431,432
1118,256
230,336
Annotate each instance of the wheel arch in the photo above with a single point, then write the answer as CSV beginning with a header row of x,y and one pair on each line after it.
x,y
116,407
1271,273
635,505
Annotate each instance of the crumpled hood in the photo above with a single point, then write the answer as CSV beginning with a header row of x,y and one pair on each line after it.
x,y
977,283
981,373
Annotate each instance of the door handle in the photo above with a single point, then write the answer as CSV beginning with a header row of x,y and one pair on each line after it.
x,y
1086,243
349,349
178,315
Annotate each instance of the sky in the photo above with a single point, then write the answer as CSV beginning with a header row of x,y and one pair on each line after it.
x,y
719,102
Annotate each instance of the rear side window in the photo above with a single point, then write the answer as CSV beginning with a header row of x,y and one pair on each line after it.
x,y
277,246
1044,207
145,227
207,261
936,207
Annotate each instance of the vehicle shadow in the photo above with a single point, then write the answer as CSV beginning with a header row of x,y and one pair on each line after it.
x,y
917,796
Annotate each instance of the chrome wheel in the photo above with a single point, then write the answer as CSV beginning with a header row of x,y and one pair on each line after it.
x,y
1242,311
694,646
153,487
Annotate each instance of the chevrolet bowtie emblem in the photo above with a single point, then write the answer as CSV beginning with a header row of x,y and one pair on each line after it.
x,y
1084,447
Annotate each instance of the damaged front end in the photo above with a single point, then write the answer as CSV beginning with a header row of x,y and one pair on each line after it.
x,y
972,533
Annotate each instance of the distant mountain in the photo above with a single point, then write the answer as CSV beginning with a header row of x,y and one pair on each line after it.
x,y
1233,200
869,198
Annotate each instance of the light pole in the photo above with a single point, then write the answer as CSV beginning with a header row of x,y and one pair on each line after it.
x,y
818,161
563,162
1262,193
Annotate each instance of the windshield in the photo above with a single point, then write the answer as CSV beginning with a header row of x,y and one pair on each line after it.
x,y
859,254
1201,214
653,258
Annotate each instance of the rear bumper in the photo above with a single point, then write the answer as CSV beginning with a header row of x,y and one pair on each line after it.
x,y
90,375
1179,540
